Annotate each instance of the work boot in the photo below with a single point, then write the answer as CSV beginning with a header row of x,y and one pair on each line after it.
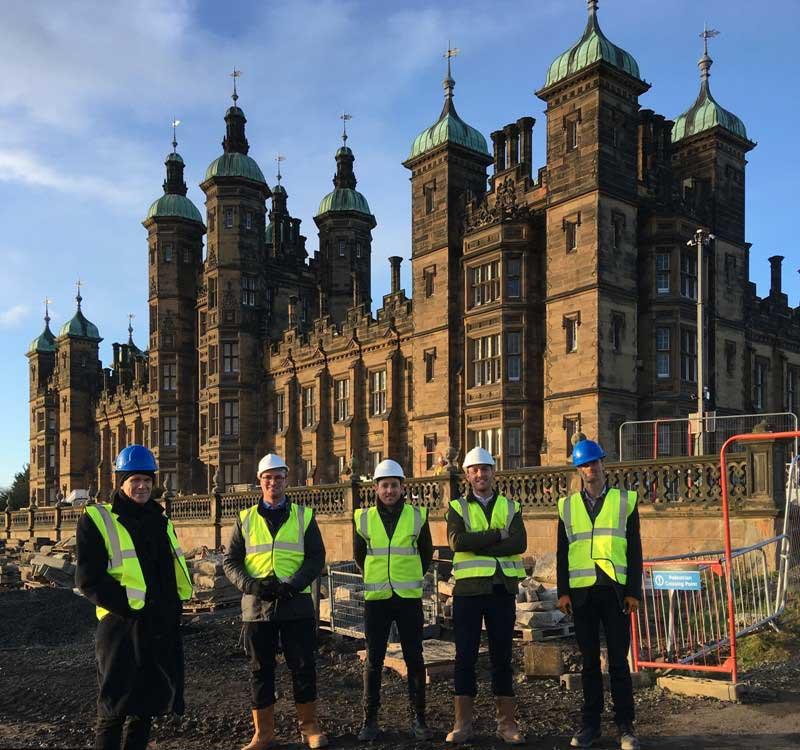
x,y
586,736
370,730
264,722
420,728
627,739
310,733
507,729
462,728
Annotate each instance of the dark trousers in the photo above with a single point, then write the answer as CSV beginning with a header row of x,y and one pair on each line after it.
x,y
298,641
499,611
109,733
602,606
378,618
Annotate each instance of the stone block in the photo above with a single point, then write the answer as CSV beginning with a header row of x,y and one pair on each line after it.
x,y
704,687
543,660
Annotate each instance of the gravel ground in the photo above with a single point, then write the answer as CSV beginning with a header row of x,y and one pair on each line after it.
x,y
47,693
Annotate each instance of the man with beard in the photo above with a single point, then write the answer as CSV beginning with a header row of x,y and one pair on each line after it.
x,y
131,567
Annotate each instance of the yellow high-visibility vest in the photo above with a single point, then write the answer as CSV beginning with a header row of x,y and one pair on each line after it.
x,y
471,565
602,543
123,563
282,555
391,565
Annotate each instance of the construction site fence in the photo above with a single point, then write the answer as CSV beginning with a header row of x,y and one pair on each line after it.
x,y
695,605
346,594
654,439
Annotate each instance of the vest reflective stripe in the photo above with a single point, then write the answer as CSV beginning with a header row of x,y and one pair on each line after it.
x,y
470,565
282,556
602,543
394,565
123,562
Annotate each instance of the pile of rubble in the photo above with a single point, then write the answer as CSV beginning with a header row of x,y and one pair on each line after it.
x,y
38,562
212,590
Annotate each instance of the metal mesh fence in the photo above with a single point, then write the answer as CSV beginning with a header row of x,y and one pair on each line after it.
x,y
665,438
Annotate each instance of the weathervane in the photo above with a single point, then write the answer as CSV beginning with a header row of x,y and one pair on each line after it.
x,y
706,35
279,158
175,124
344,117
47,302
78,297
131,316
451,52
236,74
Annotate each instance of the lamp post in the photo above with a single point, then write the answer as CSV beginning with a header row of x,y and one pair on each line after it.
x,y
700,240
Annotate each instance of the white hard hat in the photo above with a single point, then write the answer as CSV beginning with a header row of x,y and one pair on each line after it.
x,y
477,457
271,461
388,468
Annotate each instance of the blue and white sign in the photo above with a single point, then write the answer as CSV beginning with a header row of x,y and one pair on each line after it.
x,y
676,580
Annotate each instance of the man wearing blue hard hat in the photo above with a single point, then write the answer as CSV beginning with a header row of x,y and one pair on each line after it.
x,y
599,563
131,567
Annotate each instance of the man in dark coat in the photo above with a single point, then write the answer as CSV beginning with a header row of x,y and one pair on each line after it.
x,y
275,552
130,567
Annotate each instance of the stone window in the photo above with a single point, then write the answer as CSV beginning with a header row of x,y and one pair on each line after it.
x,y
570,324
230,474
688,275
212,359
430,364
377,387
571,130
688,355
342,246
203,428
485,359
514,277
248,221
309,405
663,262
40,417
488,438
169,376
513,457
791,388
203,323
212,420
760,371
280,412
51,419
169,431
358,249
203,373
40,456
429,193
730,357
230,356
341,399
617,229
51,455
248,291
168,253
514,356
230,418
617,330
429,278
375,457
341,463
228,218
485,283
572,426
663,355
187,255
168,480
212,293
430,451
571,235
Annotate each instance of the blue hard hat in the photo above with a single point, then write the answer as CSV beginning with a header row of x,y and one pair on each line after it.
x,y
136,458
586,451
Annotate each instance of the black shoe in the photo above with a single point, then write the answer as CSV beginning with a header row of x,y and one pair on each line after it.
x,y
369,731
586,736
627,738
420,728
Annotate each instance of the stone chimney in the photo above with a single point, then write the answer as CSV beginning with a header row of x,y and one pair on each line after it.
x,y
293,311
499,146
525,125
394,262
775,283
512,144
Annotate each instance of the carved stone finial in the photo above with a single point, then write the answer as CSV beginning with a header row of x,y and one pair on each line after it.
x,y
219,482
577,437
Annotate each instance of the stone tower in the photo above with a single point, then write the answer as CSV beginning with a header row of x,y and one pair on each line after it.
x,y
175,255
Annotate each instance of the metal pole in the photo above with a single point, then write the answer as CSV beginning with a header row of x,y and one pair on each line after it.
x,y
700,343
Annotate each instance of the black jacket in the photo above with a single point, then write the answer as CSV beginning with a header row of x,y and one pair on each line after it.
x,y
299,606
390,516
490,543
633,586
139,652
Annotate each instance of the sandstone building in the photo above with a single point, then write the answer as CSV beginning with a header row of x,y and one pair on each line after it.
x,y
543,301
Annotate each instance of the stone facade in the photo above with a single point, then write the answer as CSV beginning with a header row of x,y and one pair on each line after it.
x,y
543,304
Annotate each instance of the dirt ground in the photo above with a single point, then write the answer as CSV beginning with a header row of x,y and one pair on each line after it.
x,y
47,694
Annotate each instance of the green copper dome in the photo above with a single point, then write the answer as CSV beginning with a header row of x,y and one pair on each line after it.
x,y
592,47
344,199
235,164
174,206
79,326
706,113
45,342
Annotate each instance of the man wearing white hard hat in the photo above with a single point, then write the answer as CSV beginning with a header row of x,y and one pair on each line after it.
x,y
275,552
487,535
393,548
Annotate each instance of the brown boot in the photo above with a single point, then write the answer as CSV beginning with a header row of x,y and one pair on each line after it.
x,y
310,732
264,722
507,729
462,728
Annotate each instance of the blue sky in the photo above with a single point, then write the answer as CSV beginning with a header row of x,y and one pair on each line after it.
x,y
89,90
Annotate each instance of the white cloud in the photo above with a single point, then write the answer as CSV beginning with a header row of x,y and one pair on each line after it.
x,y
13,315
